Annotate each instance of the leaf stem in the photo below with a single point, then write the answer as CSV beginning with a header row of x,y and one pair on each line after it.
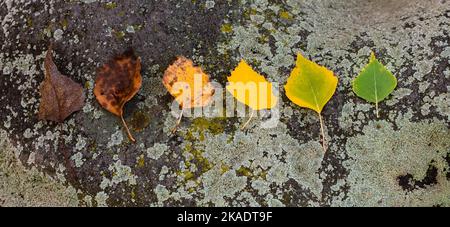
x,y
249,119
323,133
178,121
127,129
376,108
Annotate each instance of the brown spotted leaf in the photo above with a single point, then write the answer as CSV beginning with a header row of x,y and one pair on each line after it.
x,y
60,96
117,82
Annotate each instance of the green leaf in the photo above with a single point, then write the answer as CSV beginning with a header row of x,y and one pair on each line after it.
x,y
311,86
374,83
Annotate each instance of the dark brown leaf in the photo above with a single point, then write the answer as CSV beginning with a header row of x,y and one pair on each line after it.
x,y
60,96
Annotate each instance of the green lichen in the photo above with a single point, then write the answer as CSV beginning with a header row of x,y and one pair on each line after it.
x,y
64,23
224,168
218,188
226,28
195,156
304,166
116,139
120,174
133,195
162,193
101,199
110,5
29,22
285,15
119,34
442,104
157,151
20,186
247,172
257,158
381,155
243,171
214,126
78,159
249,12
140,162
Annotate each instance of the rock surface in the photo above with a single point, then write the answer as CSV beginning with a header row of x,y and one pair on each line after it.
x,y
400,159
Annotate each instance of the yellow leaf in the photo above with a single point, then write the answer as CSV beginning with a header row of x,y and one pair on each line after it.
x,y
310,85
250,88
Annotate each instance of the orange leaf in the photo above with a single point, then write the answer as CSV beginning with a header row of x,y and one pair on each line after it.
x,y
117,82
188,84
181,82
61,96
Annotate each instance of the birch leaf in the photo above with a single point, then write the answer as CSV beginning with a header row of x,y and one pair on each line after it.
x,y
181,80
375,83
311,86
251,89
188,84
117,82
61,96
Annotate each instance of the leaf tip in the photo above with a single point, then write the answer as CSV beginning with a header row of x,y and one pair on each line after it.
x,y
243,62
300,58
372,56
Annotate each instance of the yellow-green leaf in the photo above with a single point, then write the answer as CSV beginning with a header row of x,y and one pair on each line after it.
x,y
250,88
310,85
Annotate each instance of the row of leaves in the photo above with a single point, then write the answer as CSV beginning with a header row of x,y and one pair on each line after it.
x,y
309,85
